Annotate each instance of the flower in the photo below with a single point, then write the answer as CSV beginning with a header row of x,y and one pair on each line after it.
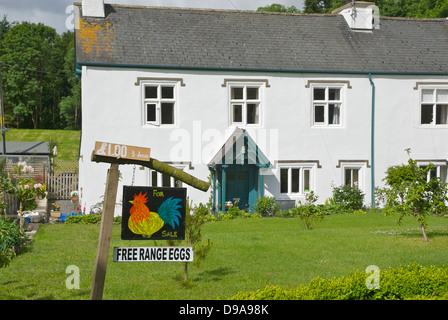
x,y
37,186
26,186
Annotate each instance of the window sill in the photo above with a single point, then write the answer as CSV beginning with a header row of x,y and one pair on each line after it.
x,y
433,126
166,126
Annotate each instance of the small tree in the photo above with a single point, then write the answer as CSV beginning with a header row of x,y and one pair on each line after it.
x,y
410,192
193,235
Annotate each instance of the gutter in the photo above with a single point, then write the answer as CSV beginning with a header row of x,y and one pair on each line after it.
x,y
259,70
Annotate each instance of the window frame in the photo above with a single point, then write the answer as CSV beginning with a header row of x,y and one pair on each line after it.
x,y
301,186
441,169
352,165
244,102
326,103
173,182
434,103
159,101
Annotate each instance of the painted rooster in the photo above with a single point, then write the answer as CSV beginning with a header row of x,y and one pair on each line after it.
x,y
144,222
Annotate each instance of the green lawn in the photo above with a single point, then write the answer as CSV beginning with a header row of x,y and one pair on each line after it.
x,y
67,140
247,254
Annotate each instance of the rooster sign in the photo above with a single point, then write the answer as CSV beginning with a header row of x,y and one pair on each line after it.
x,y
151,213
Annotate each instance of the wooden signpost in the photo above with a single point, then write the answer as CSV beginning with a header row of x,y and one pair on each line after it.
x,y
117,154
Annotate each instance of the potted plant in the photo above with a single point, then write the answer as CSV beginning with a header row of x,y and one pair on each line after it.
x,y
74,196
55,211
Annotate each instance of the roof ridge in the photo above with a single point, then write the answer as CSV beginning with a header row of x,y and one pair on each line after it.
x,y
130,6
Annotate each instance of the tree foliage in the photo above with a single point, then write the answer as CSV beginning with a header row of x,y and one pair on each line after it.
x,y
275,7
38,74
390,8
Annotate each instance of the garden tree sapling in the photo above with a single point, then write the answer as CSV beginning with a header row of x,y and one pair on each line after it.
x,y
409,191
193,235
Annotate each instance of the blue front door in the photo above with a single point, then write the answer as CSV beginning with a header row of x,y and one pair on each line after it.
x,y
238,188
241,185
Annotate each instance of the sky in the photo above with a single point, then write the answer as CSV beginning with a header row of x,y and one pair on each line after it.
x,y
59,13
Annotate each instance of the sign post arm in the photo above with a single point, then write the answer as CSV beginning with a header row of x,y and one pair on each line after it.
x,y
160,167
110,196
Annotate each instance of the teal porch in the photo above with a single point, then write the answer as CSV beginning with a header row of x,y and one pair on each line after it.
x,y
237,173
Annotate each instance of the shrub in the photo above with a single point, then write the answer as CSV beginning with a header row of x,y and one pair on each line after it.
x,y
347,196
309,213
266,206
10,240
88,219
398,283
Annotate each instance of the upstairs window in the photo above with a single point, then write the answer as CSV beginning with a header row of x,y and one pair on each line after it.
x,y
327,105
160,104
434,107
245,105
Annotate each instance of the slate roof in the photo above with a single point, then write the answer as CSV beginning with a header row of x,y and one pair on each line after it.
x,y
247,40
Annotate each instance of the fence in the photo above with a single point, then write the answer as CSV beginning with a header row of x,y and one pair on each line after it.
x,y
60,186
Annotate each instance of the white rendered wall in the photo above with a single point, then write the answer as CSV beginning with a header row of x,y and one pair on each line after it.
x,y
112,112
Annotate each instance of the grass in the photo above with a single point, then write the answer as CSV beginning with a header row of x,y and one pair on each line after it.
x,y
247,255
67,140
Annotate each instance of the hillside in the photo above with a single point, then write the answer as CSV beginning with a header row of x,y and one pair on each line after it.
x,y
67,141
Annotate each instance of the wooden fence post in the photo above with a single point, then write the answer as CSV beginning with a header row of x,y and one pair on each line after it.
x,y
102,255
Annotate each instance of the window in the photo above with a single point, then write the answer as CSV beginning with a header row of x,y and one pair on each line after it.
x,y
295,180
353,173
159,104
439,171
351,177
327,104
245,104
158,179
434,106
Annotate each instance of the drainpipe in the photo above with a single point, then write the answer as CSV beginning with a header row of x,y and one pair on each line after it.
x,y
372,144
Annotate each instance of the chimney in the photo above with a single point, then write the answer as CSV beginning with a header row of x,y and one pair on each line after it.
x,y
360,15
93,8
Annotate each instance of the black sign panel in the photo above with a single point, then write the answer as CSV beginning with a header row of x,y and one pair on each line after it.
x,y
152,213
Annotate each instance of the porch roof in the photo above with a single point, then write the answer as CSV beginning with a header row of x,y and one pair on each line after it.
x,y
240,148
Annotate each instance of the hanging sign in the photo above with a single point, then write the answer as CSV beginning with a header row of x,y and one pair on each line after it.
x,y
121,151
142,254
152,213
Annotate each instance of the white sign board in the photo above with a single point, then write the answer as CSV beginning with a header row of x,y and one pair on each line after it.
x,y
142,254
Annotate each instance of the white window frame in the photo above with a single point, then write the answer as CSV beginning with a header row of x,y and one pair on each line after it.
x,y
326,104
159,101
434,103
440,167
160,179
302,167
361,167
244,102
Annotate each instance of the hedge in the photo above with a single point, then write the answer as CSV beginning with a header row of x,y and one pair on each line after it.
x,y
410,282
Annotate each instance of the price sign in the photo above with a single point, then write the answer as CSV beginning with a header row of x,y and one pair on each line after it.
x,y
121,151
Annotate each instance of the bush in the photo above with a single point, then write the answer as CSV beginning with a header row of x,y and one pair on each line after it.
x,y
350,198
88,219
266,206
398,283
309,213
11,240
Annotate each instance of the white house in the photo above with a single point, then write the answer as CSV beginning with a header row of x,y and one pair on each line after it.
x,y
261,103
